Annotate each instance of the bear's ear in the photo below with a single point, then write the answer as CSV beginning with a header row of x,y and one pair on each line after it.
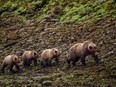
x,y
90,47
35,53
15,58
55,51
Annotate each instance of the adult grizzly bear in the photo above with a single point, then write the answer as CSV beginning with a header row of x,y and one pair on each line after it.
x,y
80,51
48,55
10,61
29,56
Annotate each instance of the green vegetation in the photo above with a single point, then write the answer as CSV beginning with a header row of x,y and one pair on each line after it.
x,y
64,11
44,78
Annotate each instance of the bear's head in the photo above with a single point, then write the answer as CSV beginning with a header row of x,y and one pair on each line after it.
x,y
16,59
56,52
92,47
34,54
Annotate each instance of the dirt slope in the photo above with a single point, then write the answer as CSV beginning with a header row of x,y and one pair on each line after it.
x,y
39,35
38,25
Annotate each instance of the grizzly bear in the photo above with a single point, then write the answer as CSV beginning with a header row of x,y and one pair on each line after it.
x,y
28,57
10,61
80,51
48,55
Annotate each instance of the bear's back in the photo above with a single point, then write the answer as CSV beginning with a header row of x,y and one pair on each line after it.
x,y
8,59
46,53
27,54
79,48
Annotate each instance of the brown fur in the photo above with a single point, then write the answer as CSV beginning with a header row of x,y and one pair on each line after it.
x,y
48,55
10,61
80,51
28,57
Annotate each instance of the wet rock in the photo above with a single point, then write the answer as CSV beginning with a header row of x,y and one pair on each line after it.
x,y
10,44
30,40
54,20
40,29
109,54
43,20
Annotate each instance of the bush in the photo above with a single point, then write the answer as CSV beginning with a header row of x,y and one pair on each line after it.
x,y
44,78
47,83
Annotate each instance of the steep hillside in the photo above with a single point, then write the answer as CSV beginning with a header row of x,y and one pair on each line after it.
x,y
42,24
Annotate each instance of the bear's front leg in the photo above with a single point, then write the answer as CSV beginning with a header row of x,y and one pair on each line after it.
x,y
11,68
35,62
96,58
57,61
17,66
75,60
25,62
28,63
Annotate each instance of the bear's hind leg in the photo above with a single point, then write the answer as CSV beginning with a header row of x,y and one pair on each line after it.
x,y
69,62
49,63
44,63
74,61
3,67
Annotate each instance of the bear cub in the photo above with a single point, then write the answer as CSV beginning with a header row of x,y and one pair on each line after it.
x,y
48,55
10,61
28,57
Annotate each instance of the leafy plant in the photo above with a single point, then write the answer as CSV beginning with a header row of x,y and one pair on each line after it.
x,y
20,10
44,78
13,7
76,17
